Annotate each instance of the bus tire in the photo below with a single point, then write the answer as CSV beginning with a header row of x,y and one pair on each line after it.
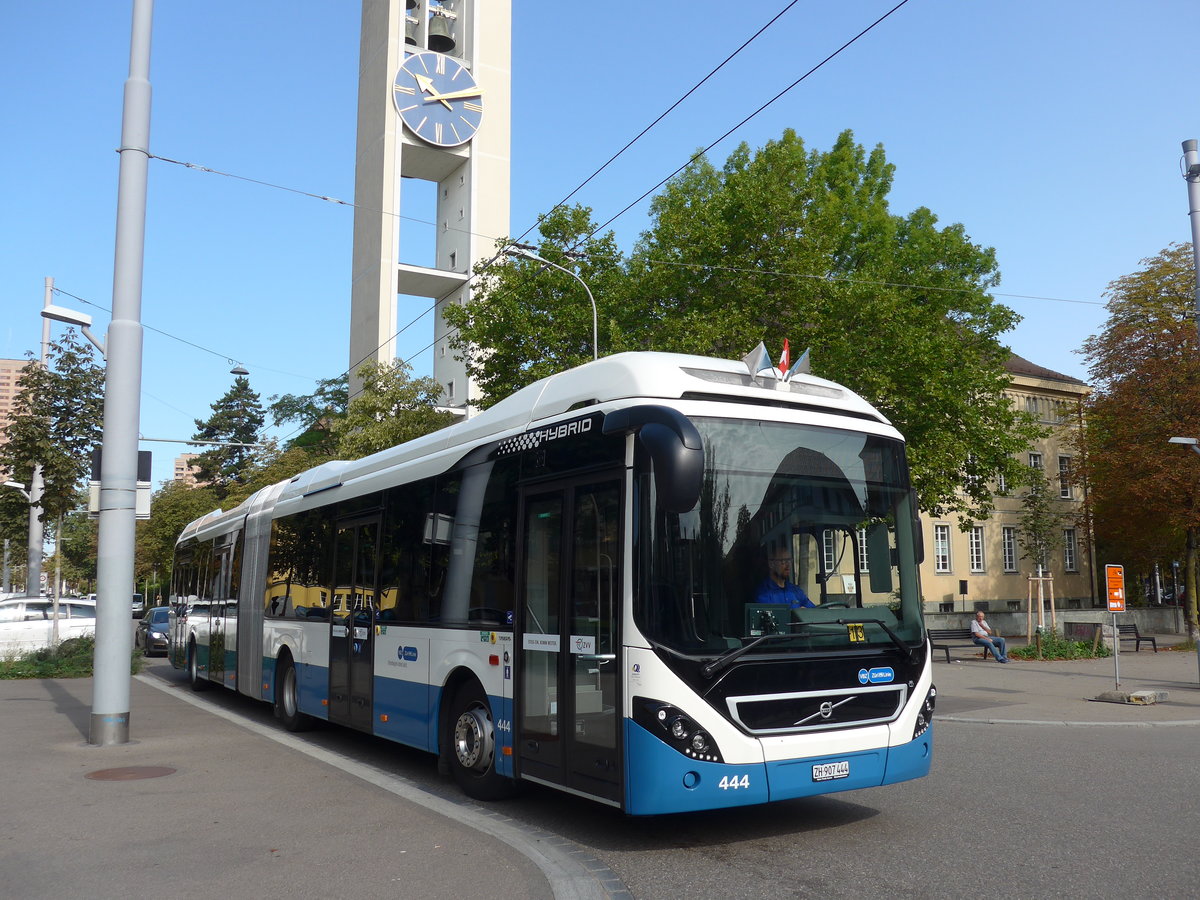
x,y
471,745
287,697
195,678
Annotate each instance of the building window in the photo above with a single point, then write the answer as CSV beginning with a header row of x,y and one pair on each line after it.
x,y
827,539
863,560
941,548
1035,461
449,390
1070,556
1064,477
1009,539
1001,484
976,548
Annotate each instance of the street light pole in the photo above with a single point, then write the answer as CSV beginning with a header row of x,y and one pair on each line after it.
x,y
122,390
37,534
526,253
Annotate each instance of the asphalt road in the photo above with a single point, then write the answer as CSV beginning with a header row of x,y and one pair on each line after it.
x,y
1015,810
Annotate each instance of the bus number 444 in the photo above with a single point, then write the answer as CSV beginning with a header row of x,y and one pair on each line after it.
x,y
732,782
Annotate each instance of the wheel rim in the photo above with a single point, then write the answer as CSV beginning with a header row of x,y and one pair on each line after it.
x,y
193,665
473,740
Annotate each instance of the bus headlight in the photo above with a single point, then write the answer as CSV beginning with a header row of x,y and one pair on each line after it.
x,y
925,714
676,729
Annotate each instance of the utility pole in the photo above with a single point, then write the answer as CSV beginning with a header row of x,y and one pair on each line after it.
x,y
122,403
33,565
1191,173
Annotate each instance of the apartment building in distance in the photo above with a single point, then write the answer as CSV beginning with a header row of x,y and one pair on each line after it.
x,y
986,560
184,470
10,375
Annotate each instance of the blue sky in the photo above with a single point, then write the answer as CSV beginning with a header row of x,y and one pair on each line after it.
x,y
1051,131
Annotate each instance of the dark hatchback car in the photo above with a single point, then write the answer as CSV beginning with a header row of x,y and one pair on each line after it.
x,y
151,634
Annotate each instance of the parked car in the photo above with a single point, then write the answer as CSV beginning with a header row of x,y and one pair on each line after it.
x,y
152,631
28,623
139,605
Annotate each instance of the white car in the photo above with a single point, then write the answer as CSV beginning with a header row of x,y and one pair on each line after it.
x,y
28,624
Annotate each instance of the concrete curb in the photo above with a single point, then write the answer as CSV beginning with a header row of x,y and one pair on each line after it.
x,y
1067,723
572,873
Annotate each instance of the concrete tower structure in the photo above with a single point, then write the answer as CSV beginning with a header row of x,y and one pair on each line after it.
x,y
434,103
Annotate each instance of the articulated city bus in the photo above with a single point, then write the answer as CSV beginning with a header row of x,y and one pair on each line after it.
x,y
662,582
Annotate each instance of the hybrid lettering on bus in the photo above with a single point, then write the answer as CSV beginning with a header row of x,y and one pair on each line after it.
x,y
569,589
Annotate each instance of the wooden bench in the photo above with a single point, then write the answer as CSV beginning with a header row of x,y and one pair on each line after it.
x,y
1130,633
939,636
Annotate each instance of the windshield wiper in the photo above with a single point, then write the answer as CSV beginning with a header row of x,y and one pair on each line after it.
x,y
905,649
716,665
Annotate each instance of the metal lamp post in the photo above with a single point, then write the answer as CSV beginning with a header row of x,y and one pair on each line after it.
x,y
526,253
122,403
1194,444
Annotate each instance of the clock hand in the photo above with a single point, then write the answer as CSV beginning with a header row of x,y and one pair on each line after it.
x,y
426,84
458,95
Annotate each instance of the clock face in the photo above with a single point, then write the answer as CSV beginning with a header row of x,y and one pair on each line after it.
x,y
438,99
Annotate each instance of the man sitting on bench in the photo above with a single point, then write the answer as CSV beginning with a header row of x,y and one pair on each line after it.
x,y
986,638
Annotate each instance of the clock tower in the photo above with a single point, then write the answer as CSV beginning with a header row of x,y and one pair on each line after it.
x,y
433,108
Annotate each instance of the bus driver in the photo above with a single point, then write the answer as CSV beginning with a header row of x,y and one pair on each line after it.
x,y
777,587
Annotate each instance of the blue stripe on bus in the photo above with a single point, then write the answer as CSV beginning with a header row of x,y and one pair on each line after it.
x,y
660,779
911,760
409,707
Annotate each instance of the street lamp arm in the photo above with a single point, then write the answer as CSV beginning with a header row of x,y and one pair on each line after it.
x,y
18,486
525,253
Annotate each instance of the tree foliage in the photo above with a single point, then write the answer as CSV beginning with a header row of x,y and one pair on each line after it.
x,y
528,321
391,408
1042,522
315,412
236,418
171,508
56,421
1144,494
784,242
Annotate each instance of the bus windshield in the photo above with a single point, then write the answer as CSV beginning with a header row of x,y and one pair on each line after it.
x,y
804,534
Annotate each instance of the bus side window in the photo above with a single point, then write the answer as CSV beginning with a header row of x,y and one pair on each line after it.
x,y
404,555
493,581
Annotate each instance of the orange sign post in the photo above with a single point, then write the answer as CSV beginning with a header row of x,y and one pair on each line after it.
x,y
1114,579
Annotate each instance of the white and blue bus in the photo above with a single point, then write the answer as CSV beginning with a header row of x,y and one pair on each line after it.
x,y
571,589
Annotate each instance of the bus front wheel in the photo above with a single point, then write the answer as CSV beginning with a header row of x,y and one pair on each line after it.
x,y
472,745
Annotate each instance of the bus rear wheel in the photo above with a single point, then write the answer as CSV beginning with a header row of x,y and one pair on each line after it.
x,y
287,697
195,678
471,740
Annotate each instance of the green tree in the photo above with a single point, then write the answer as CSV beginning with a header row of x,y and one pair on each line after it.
x,y
56,421
527,321
171,508
391,409
1145,366
784,242
79,547
1041,522
236,418
315,412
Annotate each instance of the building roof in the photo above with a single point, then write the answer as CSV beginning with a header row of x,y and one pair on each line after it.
x,y
1019,365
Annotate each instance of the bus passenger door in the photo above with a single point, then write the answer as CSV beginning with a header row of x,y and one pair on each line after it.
x,y
351,626
568,701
